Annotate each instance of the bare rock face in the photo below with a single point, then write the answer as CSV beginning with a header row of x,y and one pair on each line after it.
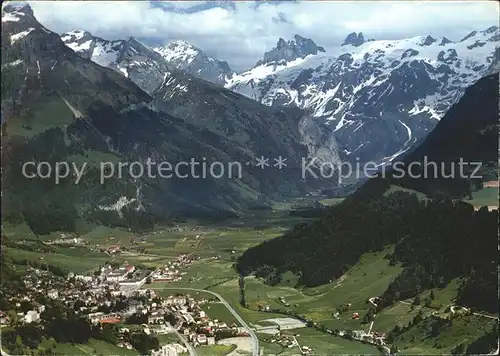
x,y
355,39
287,51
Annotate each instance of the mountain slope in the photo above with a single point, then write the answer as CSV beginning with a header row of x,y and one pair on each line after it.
x,y
267,131
378,97
263,131
435,240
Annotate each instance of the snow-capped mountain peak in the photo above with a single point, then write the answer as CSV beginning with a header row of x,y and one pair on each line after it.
x,y
184,56
444,41
181,50
287,51
16,10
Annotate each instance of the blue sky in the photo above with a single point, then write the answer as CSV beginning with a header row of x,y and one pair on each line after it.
x,y
240,32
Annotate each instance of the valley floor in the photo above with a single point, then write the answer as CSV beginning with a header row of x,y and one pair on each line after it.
x,y
216,247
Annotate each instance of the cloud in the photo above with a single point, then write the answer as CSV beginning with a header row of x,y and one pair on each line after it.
x,y
240,32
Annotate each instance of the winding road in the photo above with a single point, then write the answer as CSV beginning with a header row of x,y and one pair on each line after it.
x,y
255,340
3,353
190,348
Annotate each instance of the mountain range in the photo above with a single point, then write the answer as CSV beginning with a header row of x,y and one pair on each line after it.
x,y
147,66
375,98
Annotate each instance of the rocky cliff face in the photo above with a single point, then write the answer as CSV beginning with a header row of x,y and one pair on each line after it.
x,y
263,130
354,39
286,51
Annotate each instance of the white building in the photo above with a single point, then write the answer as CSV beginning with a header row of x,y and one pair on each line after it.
x,y
165,350
53,294
31,316
180,348
201,338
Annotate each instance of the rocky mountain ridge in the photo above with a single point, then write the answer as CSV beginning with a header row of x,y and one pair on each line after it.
x,y
144,65
131,58
376,99
286,51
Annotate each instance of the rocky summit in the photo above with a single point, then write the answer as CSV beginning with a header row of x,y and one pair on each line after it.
x,y
286,51
354,39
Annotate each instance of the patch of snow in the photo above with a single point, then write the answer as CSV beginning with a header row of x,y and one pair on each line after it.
x,y
20,35
118,205
407,129
8,17
76,112
124,71
12,64
180,51
77,34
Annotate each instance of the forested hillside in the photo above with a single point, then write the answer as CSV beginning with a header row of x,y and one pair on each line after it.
x,y
436,241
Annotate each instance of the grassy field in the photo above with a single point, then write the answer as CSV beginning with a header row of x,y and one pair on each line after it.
x,y
420,339
168,339
93,347
331,201
64,257
49,113
323,344
215,350
220,312
397,188
370,277
486,196
164,290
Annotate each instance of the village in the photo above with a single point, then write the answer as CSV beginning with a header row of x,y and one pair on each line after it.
x,y
115,295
